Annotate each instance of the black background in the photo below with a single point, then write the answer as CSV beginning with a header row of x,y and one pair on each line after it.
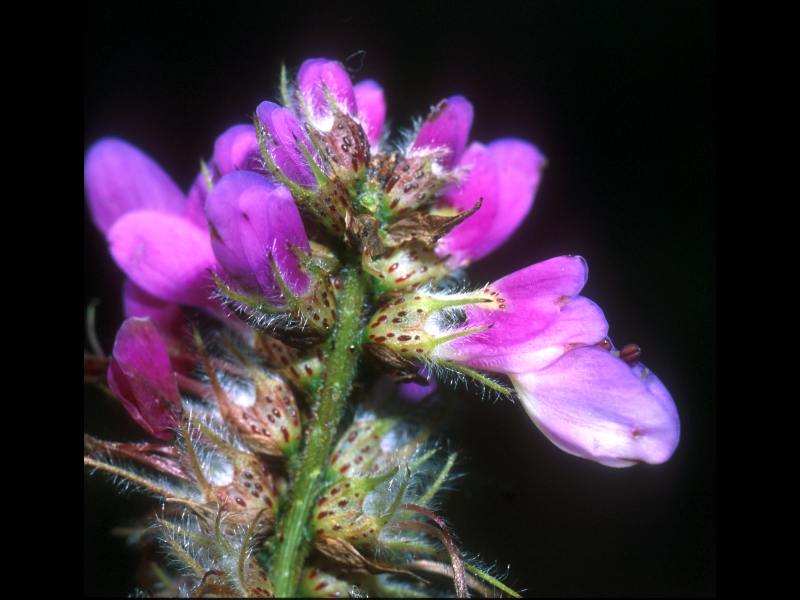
x,y
619,97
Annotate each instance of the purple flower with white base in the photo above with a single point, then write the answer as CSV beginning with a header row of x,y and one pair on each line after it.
x,y
141,376
324,87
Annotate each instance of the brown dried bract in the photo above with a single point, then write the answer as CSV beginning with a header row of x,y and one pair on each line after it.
x,y
425,228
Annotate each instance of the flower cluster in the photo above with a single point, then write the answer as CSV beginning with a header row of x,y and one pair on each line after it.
x,y
235,345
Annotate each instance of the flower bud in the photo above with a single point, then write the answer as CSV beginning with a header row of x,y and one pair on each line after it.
x,y
261,244
263,409
415,180
408,328
141,376
339,512
359,448
325,88
405,267
248,489
318,584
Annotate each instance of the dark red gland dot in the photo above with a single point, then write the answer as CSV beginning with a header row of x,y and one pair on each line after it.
x,y
312,573
605,345
344,468
630,353
393,267
404,338
320,586
323,514
341,503
380,339
352,436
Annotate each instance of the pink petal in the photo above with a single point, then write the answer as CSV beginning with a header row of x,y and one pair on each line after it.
x,y
236,149
167,316
520,345
527,301
480,182
447,126
254,219
166,256
120,178
371,109
285,140
593,405
141,376
194,210
317,79
519,167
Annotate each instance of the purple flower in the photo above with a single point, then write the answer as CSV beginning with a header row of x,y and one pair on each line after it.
x,y
533,316
592,404
167,256
141,376
120,178
325,87
156,236
287,143
446,129
253,222
506,175
166,316
540,332
371,110
235,150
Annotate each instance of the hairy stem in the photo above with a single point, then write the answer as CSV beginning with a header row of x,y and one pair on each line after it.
x,y
341,370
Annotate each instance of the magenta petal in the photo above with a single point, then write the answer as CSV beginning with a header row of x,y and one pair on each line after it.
x,y
196,198
141,376
480,182
519,168
519,345
166,256
285,136
528,300
236,149
120,178
252,220
447,127
167,316
371,109
593,405
415,392
318,79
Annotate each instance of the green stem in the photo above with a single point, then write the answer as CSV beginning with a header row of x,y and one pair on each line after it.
x,y
341,370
